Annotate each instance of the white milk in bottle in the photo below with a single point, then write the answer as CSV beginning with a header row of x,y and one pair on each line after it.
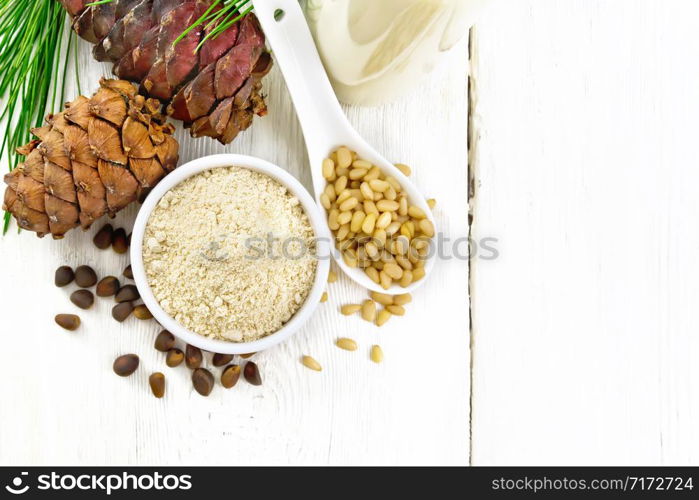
x,y
376,50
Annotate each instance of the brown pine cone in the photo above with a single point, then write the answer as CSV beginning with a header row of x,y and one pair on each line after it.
x,y
93,158
215,91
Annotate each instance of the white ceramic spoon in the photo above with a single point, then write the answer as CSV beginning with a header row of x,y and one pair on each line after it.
x,y
325,126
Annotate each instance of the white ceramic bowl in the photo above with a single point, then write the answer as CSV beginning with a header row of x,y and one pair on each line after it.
x,y
317,221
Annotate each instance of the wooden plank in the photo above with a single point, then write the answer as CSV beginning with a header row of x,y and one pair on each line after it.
x,y
63,405
585,341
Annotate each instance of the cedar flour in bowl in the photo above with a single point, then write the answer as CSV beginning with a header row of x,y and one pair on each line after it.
x,y
230,254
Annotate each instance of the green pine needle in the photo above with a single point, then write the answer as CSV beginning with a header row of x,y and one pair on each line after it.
x,y
33,65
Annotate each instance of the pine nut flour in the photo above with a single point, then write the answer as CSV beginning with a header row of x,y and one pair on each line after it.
x,y
230,254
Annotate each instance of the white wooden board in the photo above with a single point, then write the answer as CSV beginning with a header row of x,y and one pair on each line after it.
x,y
585,329
60,402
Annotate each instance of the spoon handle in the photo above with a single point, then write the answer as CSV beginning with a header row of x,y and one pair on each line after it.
x,y
323,122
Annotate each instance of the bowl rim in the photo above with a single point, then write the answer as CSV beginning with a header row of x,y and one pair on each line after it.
x,y
315,217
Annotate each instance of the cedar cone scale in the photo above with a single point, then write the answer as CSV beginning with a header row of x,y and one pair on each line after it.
x,y
93,158
215,91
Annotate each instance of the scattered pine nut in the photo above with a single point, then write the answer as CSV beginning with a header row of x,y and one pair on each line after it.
x,y
404,168
401,300
311,363
382,298
382,317
346,344
396,310
350,309
324,297
369,310
431,203
332,277
376,354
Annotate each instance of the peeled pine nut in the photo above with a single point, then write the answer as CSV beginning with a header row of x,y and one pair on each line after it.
x,y
324,297
376,354
340,184
325,201
382,298
394,183
382,317
401,300
349,258
418,274
371,250
348,204
404,169
384,220
403,206
369,223
311,363
367,193
332,277
416,212
369,310
393,270
380,237
346,344
330,192
344,217
357,221
387,205
431,203
385,280
332,219
357,173
374,173
370,207
344,157
329,169
373,274
392,228
350,309
378,185
407,278
402,245
396,310
343,232
362,164
426,227
403,262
